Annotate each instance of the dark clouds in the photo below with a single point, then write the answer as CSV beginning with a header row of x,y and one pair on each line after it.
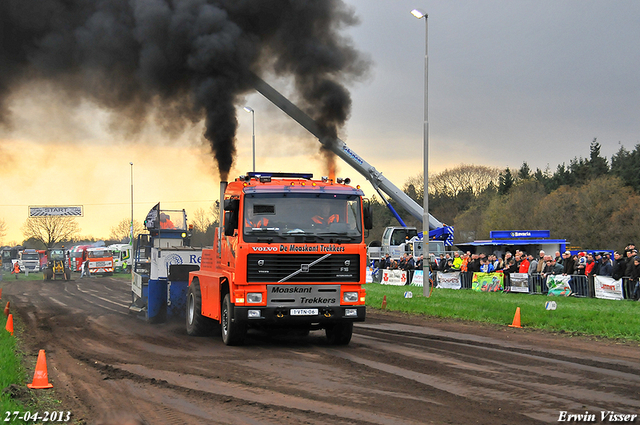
x,y
190,59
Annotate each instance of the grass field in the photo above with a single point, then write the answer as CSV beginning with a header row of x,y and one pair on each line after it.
x,y
11,370
581,316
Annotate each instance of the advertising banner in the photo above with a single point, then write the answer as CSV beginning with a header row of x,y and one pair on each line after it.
x,y
163,258
449,280
519,282
607,288
487,282
394,277
369,278
418,278
559,285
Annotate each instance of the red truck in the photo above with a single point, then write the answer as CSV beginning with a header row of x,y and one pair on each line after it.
x,y
290,253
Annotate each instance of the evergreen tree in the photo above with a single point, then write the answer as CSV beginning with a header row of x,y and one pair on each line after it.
x,y
626,166
524,173
598,165
505,182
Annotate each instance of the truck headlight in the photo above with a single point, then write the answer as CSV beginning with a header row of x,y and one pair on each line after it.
x,y
350,297
254,297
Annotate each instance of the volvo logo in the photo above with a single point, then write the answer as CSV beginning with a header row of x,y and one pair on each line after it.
x,y
261,263
347,262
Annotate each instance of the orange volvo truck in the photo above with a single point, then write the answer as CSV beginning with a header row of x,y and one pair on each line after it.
x,y
290,253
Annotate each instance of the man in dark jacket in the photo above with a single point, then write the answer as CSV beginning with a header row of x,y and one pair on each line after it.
x,y
606,269
569,264
629,268
619,266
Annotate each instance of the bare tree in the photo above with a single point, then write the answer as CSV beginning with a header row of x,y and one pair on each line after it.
x,y
201,220
122,230
50,229
452,181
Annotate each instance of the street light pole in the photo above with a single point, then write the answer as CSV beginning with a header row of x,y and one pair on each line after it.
x,y
425,215
131,224
253,125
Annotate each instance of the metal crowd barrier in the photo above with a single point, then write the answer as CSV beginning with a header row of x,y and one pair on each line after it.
x,y
581,286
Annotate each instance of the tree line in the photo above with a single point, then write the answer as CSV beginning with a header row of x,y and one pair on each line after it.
x,y
591,202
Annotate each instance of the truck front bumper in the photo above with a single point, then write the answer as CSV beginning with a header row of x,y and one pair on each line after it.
x,y
282,315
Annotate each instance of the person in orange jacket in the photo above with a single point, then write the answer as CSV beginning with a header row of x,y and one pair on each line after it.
x,y
16,269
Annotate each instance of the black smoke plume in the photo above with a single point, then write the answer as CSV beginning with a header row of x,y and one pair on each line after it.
x,y
190,59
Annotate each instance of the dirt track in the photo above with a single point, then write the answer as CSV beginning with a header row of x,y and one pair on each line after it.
x,y
109,367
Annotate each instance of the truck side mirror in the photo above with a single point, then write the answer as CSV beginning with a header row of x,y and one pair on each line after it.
x,y
367,213
230,222
231,208
231,204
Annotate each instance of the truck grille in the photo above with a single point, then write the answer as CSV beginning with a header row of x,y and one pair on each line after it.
x,y
299,268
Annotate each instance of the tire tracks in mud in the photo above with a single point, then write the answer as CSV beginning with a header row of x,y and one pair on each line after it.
x,y
106,362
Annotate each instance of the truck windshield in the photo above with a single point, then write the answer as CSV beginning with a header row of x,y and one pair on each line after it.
x,y
99,254
302,217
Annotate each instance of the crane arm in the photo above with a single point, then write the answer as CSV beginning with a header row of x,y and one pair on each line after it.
x,y
341,149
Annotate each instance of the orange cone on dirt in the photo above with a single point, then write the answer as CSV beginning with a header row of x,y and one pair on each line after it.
x,y
9,326
516,319
0,293
6,309
384,302
41,377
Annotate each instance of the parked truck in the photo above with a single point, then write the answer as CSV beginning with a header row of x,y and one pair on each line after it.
x,y
100,261
29,260
290,254
77,255
399,240
9,256
122,258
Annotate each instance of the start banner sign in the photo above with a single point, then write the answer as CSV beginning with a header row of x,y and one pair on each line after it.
x,y
67,211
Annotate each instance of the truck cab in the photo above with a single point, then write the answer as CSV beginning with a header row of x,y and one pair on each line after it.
x,y
122,257
290,253
29,260
100,261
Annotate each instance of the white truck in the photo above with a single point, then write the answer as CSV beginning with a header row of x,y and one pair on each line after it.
x,y
29,260
122,257
398,240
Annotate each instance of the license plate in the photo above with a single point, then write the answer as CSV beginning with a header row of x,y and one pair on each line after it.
x,y
304,312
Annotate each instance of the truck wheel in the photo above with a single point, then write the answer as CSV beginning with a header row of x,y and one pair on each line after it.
x,y
233,333
197,324
340,333
67,274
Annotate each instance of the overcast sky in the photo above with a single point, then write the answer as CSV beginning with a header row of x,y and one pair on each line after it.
x,y
509,81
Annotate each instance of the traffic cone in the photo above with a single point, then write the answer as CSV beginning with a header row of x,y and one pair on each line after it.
x,y
9,326
384,302
0,293
516,319
6,309
40,376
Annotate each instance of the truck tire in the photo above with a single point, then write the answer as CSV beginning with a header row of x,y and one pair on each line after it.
x,y
233,333
340,333
197,324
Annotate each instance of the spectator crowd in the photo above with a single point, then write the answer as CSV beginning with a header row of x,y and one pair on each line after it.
x,y
625,264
